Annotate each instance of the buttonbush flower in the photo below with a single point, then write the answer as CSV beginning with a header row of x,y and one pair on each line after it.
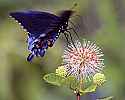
x,y
99,79
60,71
83,60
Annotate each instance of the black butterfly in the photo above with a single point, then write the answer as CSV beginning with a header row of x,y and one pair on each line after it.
x,y
43,29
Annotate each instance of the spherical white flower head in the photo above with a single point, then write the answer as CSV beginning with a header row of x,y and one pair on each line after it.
x,y
83,60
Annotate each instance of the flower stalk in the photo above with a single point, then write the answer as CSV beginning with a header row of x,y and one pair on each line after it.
x,y
78,96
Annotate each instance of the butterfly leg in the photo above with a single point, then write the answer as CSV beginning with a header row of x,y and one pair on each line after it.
x,y
71,38
74,32
67,38
74,26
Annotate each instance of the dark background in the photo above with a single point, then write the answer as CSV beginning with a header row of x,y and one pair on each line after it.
x,y
103,21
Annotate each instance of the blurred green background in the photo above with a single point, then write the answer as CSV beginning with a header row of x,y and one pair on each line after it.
x,y
102,21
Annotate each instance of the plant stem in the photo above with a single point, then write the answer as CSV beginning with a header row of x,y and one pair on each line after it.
x,y
78,96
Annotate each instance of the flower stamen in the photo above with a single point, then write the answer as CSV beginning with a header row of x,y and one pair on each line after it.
x,y
84,60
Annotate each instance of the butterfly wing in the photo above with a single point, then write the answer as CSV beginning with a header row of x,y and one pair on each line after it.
x,y
38,25
35,22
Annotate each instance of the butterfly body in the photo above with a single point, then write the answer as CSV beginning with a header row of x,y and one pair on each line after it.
x,y
43,29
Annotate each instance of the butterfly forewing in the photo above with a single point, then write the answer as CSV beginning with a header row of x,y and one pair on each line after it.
x,y
35,22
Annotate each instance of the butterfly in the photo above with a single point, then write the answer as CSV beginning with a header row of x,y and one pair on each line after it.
x,y
43,29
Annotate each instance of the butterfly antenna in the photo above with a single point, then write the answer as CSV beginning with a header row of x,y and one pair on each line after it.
x,y
66,36
74,32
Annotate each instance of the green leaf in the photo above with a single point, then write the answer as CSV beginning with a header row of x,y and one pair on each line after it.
x,y
107,98
91,88
54,79
71,82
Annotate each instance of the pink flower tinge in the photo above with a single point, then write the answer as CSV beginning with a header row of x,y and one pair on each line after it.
x,y
83,60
